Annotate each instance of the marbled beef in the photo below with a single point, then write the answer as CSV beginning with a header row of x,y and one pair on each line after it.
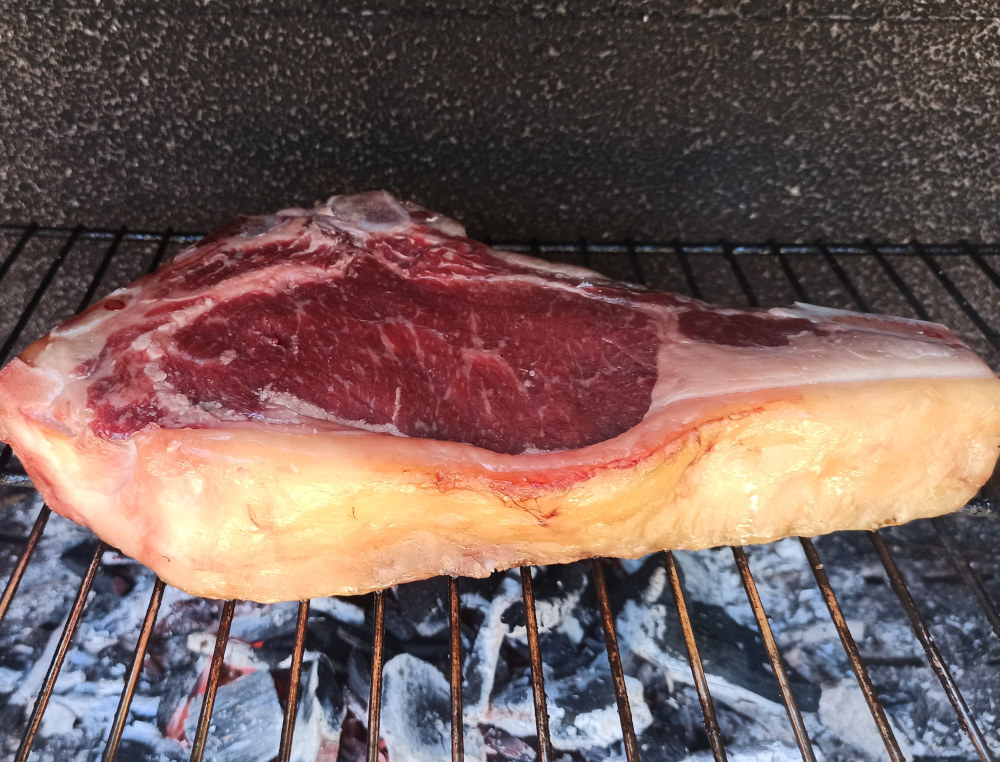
x,y
338,399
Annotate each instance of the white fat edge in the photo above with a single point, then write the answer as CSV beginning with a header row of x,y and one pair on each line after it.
x,y
309,410
97,318
576,288
712,370
816,313
340,216
545,268
274,228
553,268
278,277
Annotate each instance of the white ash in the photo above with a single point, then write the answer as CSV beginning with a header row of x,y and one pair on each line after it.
x,y
499,721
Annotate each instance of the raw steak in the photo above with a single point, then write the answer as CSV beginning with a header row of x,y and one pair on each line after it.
x,y
339,399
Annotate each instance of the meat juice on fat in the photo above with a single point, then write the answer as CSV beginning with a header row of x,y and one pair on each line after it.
x,y
339,399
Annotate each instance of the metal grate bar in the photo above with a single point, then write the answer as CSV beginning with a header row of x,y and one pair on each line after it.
x,y
537,680
132,678
214,673
615,661
291,707
846,282
920,629
966,573
694,658
692,283
853,655
161,250
741,276
584,250
955,293
36,297
897,280
95,234
551,247
72,621
973,253
789,273
457,722
28,233
102,268
633,258
794,715
22,563
15,254
375,696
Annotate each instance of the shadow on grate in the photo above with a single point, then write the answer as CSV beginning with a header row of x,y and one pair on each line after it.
x,y
958,284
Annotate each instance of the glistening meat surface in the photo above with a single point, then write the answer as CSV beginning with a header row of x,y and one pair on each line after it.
x,y
384,333
337,399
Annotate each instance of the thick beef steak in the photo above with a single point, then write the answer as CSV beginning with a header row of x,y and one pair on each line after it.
x,y
338,399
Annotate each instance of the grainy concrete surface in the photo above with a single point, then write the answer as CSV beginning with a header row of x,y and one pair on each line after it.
x,y
636,118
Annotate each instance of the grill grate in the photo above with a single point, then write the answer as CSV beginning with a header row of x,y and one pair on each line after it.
x,y
968,290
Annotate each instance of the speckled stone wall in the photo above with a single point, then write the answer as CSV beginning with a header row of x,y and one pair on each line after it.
x,y
639,118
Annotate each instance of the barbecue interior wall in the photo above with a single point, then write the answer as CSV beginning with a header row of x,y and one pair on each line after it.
x,y
647,119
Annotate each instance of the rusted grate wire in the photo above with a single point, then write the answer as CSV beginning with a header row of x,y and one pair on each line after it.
x,y
625,260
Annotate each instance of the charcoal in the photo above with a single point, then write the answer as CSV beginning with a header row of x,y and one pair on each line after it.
x,y
138,751
254,622
418,610
564,656
678,723
175,690
115,576
336,627
479,665
590,717
772,752
359,676
561,586
583,710
320,713
732,653
246,720
507,747
339,610
181,614
416,710
354,742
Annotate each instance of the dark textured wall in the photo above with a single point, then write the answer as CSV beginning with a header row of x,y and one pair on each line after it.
x,y
548,118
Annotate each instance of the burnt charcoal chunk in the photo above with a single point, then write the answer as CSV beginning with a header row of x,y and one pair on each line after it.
x,y
418,610
246,720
